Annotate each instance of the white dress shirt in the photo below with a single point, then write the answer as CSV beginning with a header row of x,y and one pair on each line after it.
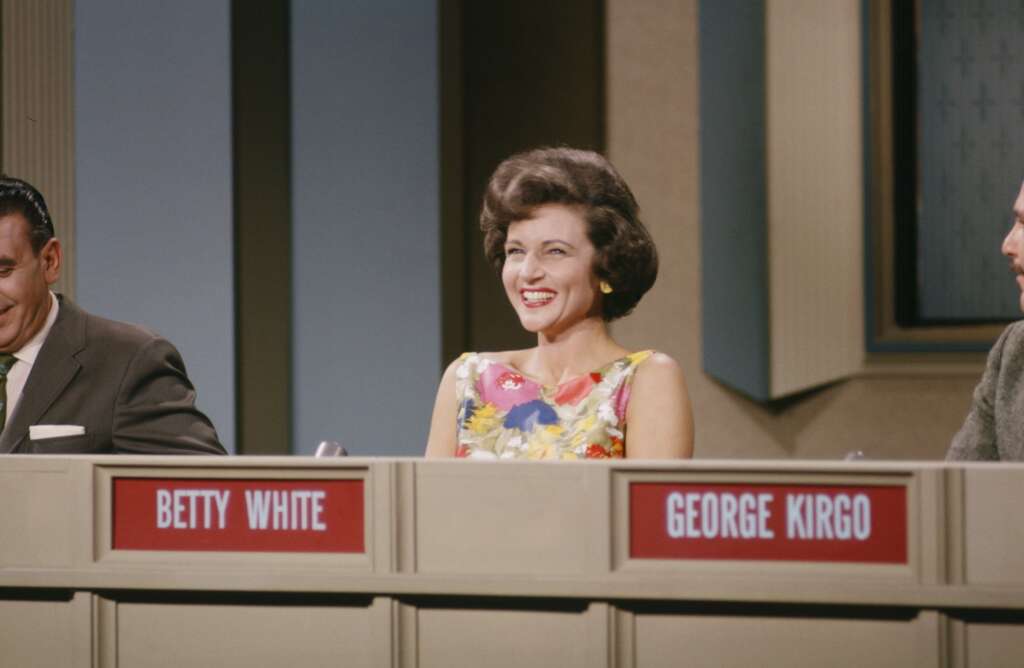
x,y
25,358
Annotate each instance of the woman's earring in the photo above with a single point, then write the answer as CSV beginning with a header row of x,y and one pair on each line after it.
x,y
606,287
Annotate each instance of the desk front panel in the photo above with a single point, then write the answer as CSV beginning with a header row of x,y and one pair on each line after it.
x,y
508,565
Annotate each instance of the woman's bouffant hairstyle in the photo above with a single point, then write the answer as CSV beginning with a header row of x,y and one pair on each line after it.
x,y
625,254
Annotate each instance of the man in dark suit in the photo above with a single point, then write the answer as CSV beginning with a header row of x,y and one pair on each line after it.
x,y
71,382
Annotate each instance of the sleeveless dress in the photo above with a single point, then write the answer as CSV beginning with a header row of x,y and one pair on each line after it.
x,y
504,415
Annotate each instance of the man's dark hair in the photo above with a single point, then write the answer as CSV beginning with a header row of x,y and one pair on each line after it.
x,y
21,197
625,254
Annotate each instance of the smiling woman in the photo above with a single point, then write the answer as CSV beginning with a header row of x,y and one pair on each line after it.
x,y
562,229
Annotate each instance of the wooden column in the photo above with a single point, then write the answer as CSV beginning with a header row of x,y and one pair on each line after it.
x,y
37,140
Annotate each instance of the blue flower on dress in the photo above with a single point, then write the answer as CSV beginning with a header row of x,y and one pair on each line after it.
x,y
525,417
465,412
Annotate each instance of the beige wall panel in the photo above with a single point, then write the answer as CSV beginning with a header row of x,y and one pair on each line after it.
x,y
995,645
653,139
500,638
722,642
32,502
994,533
244,636
450,521
38,633
815,192
38,109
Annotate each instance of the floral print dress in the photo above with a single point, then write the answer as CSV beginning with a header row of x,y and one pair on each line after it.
x,y
505,415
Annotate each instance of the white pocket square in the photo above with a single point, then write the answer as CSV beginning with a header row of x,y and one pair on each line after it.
x,y
40,432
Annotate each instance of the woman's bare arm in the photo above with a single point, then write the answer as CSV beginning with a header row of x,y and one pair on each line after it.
x,y
659,417
441,442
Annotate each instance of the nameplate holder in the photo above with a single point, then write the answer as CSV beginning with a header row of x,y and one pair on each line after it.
x,y
773,522
250,515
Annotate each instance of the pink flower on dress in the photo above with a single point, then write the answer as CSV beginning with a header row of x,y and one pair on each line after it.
x,y
576,390
505,388
510,381
621,402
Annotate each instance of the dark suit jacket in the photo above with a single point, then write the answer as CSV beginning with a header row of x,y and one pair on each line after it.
x,y
124,384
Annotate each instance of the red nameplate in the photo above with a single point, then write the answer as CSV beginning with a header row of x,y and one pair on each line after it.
x,y
238,515
829,523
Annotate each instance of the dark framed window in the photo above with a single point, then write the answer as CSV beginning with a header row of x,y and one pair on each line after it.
x,y
946,101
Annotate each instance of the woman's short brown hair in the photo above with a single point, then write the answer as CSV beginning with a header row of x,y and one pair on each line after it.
x,y
625,254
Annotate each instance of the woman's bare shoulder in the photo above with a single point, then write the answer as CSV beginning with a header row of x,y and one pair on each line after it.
x,y
660,415
659,366
661,377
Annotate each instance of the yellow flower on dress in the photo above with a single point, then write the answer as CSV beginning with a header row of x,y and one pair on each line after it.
x,y
637,358
587,423
539,450
484,419
542,444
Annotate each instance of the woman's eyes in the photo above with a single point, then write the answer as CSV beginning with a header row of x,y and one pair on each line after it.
x,y
522,251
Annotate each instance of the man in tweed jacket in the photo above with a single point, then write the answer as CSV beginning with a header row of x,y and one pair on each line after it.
x,y
994,429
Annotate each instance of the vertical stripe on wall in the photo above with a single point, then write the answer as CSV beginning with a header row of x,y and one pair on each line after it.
x,y
733,197
454,233
815,192
529,82
154,183
366,277
263,268
781,194
37,136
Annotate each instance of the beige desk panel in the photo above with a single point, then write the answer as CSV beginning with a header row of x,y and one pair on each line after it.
x,y
994,525
715,641
229,636
32,499
45,634
500,638
995,645
477,518
520,565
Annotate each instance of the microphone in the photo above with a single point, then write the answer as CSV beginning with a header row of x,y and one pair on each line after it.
x,y
330,449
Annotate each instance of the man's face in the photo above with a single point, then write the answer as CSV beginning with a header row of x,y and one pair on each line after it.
x,y
25,280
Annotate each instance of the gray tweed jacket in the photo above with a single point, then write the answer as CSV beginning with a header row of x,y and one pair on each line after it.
x,y
994,429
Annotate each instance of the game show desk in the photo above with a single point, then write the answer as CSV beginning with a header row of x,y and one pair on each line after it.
x,y
160,561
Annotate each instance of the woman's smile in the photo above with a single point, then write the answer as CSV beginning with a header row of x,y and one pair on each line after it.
x,y
537,297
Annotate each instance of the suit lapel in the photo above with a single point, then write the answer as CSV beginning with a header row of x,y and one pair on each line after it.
x,y
53,369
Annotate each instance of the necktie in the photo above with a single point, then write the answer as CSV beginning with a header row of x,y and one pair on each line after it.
x,y
7,360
